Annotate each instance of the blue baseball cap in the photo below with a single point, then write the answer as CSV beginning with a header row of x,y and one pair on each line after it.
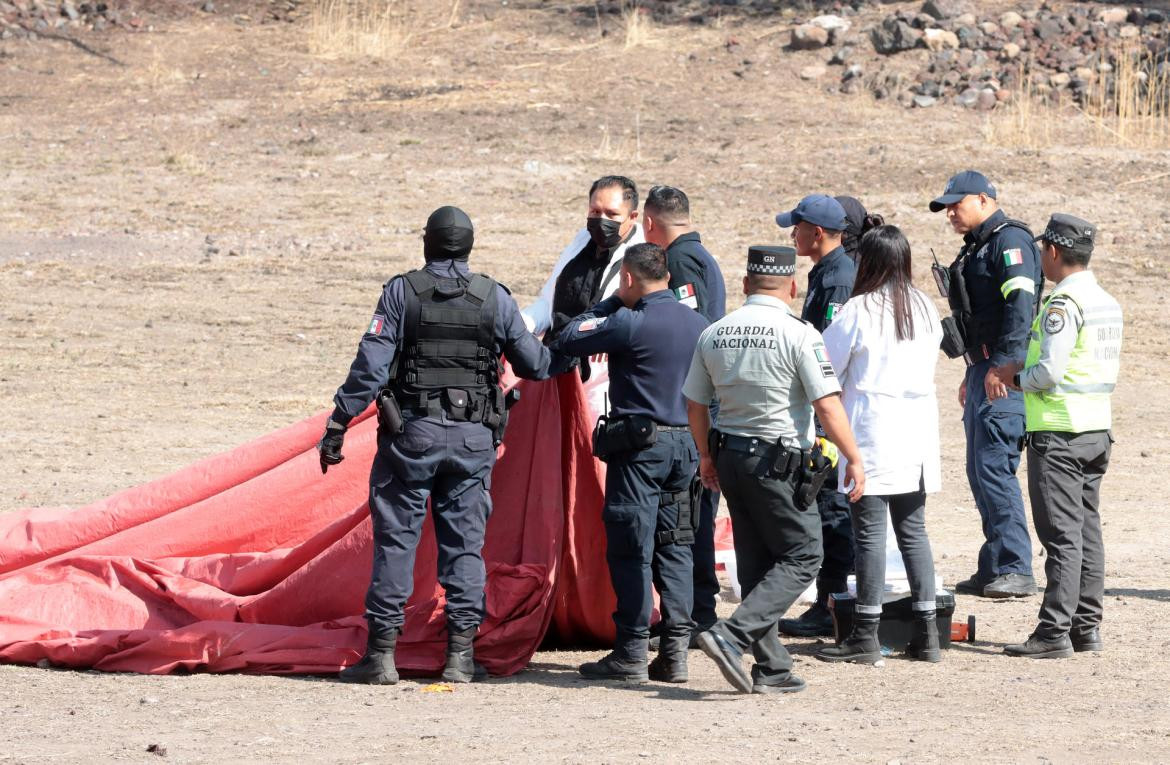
x,y
817,209
960,185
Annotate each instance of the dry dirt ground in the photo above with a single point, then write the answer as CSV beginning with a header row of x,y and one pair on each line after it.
x,y
190,246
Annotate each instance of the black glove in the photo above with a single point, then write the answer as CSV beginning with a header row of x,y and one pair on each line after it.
x,y
330,445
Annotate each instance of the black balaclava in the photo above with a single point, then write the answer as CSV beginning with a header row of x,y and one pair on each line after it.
x,y
854,221
449,235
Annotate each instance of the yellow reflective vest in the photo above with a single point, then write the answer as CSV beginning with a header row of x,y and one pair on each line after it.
x,y
1079,401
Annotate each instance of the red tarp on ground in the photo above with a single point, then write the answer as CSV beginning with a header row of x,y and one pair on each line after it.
x,y
253,561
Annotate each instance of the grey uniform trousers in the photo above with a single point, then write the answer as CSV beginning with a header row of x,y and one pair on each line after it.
x,y
777,554
1064,484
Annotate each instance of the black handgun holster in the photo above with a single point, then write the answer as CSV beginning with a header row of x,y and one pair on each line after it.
x,y
816,469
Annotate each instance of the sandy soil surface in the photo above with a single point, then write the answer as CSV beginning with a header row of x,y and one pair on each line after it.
x,y
190,246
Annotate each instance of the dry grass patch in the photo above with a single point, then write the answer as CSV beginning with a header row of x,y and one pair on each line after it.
x,y
640,29
371,28
1127,105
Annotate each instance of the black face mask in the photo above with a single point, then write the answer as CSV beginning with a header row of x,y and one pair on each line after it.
x,y
449,235
605,233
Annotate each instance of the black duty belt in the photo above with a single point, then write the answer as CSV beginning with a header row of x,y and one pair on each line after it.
x,y
746,444
976,355
674,428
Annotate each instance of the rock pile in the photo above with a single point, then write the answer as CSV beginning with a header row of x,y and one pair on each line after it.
x,y
25,18
28,18
977,61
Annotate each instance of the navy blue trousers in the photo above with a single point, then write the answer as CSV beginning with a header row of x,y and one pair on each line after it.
x,y
451,463
633,515
995,432
706,582
836,538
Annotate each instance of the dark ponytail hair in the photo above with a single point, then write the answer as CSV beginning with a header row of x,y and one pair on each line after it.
x,y
872,220
883,265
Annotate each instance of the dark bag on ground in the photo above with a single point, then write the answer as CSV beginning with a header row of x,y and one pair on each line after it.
x,y
617,435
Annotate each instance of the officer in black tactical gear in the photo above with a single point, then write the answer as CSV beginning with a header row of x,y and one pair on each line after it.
x,y
431,356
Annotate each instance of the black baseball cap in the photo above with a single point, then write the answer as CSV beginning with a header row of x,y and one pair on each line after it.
x,y
961,185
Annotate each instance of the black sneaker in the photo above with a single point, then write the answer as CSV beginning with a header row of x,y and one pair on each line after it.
x,y
1010,586
1036,647
972,585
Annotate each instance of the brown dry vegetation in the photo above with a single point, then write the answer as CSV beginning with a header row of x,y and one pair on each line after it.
x,y
190,245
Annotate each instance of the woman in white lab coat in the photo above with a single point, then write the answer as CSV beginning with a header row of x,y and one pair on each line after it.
x,y
884,346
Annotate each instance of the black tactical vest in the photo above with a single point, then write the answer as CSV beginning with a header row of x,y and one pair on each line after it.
x,y
977,327
448,339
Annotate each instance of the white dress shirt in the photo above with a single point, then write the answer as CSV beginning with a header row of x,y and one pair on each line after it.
x,y
888,391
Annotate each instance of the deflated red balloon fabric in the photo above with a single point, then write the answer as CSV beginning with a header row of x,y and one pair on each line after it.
x,y
253,561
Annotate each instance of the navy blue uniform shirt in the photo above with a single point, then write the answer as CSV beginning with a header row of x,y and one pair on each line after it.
x,y
830,285
695,277
1003,280
370,371
650,348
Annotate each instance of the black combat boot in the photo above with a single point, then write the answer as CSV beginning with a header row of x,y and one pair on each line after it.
x,y
817,621
461,664
923,645
627,661
861,647
670,666
377,666
1086,640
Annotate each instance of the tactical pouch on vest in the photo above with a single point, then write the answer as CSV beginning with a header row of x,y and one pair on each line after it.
x,y
390,422
617,435
687,502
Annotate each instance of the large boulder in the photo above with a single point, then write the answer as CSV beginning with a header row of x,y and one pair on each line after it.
x,y
894,36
